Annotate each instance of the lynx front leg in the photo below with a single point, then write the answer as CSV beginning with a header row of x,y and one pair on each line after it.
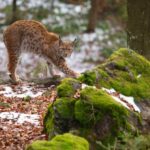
x,y
12,64
65,69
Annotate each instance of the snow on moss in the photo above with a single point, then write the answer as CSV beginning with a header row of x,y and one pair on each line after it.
x,y
126,101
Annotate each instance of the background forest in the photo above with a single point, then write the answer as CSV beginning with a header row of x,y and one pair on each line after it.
x,y
108,106
99,27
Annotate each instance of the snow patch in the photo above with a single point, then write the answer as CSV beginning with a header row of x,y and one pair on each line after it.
x,y
130,100
139,76
110,91
21,117
22,92
126,101
89,37
83,86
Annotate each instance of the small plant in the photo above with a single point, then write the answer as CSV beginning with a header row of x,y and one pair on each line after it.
x,y
4,104
27,98
127,141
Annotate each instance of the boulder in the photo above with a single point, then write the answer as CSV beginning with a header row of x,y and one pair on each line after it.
x,y
92,113
128,73
95,116
125,71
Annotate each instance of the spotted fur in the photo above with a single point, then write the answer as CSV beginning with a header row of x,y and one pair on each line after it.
x,y
32,36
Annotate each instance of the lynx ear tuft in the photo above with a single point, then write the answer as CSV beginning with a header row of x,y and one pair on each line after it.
x,y
60,41
75,42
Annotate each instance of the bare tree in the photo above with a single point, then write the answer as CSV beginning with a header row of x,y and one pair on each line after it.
x,y
14,11
138,26
97,6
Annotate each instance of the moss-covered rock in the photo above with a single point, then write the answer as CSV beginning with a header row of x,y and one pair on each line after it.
x,y
59,116
95,104
125,71
61,142
68,87
95,116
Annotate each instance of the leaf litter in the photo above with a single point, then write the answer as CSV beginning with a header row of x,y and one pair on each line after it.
x,y
22,108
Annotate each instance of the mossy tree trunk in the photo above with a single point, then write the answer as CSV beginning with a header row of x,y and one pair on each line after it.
x,y
138,26
97,7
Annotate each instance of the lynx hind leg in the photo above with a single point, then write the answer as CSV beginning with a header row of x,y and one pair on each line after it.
x,y
50,68
12,64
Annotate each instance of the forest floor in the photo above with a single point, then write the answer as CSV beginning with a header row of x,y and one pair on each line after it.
x,y
22,108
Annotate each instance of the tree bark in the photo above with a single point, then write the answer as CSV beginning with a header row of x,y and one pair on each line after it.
x,y
97,7
14,11
138,26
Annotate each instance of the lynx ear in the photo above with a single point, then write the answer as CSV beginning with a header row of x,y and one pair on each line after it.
x,y
75,42
60,41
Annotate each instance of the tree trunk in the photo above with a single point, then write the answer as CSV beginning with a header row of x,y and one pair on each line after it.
x,y
97,6
14,11
138,26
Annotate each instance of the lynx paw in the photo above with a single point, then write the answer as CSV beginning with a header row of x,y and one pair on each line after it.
x,y
76,75
18,81
14,79
56,76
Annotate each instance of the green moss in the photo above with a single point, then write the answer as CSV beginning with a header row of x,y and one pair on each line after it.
x,y
121,72
59,116
84,113
27,98
132,59
128,141
49,120
65,107
96,104
100,117
88,77
2,104
61,142
68,87
140,142
98,97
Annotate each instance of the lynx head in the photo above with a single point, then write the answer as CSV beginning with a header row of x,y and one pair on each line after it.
x,y
66,47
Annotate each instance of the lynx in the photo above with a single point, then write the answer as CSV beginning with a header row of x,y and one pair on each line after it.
x,y
32,36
